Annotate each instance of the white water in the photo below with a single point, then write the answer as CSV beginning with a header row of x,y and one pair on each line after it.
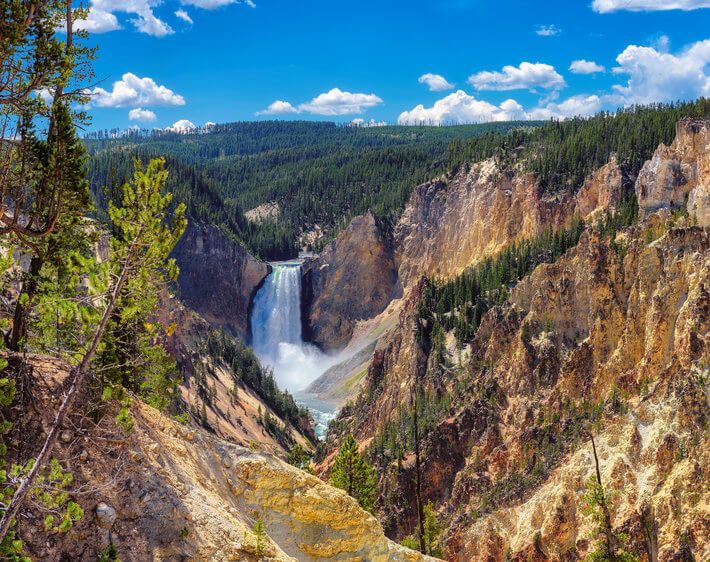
x,y
277,338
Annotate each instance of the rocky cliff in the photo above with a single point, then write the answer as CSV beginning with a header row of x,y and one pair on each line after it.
x,y
354,278
612,340
679,174
218,277
447,225
169,492
221,398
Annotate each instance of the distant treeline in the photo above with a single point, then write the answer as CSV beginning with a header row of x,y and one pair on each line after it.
x,y
324,174
319,173
564,153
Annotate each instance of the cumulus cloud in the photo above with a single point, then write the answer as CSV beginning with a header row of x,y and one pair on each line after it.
x,y
582,105
528,76
458,108
338,102
142,115
279,107
184,16
98,21
132,91
102,19
655,76
182,126
333,103
46,95
102,15
585,67
547,30
212,4
436,82
606,6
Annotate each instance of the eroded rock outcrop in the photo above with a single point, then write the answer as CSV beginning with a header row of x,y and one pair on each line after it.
x,y
447,225
613,338
218,277
353,279
450,223
631,336
170,492
679,173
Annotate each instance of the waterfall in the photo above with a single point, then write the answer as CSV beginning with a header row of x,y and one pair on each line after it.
x,y
276,316
276,331
278,343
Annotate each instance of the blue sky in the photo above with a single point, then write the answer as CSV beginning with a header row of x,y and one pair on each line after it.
x,y
489,60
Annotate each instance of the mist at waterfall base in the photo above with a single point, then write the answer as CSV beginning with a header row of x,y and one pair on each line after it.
x,y
278,343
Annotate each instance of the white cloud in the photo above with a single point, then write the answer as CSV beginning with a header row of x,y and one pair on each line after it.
x,y
606,6
142,115
98,21
436,82
335,102
661,43
458,108
132,91
212,4
585,67
338,102
184,16
582,105
46,96
278,108
102,18
526,76
547,30
182,126
656,76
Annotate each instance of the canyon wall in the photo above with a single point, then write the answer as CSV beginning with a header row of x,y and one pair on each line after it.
x,y
168,491
679,175
218,277
612,340
354,278
209,387
447,225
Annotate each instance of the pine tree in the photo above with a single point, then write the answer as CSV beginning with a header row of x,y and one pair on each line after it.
x,y
130,357
299,457
138,258
62,159
610,543
352,473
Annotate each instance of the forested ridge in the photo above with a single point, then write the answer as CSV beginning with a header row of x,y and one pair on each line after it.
x,y
564,153
319,173
323,174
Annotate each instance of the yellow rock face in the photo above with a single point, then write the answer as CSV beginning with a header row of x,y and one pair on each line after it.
x,y
226,487
180,493
679,171
629,320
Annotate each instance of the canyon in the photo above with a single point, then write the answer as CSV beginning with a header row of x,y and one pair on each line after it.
x,y
625,317
610,341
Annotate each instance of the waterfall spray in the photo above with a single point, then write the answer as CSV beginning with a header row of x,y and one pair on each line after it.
x,y
276,331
